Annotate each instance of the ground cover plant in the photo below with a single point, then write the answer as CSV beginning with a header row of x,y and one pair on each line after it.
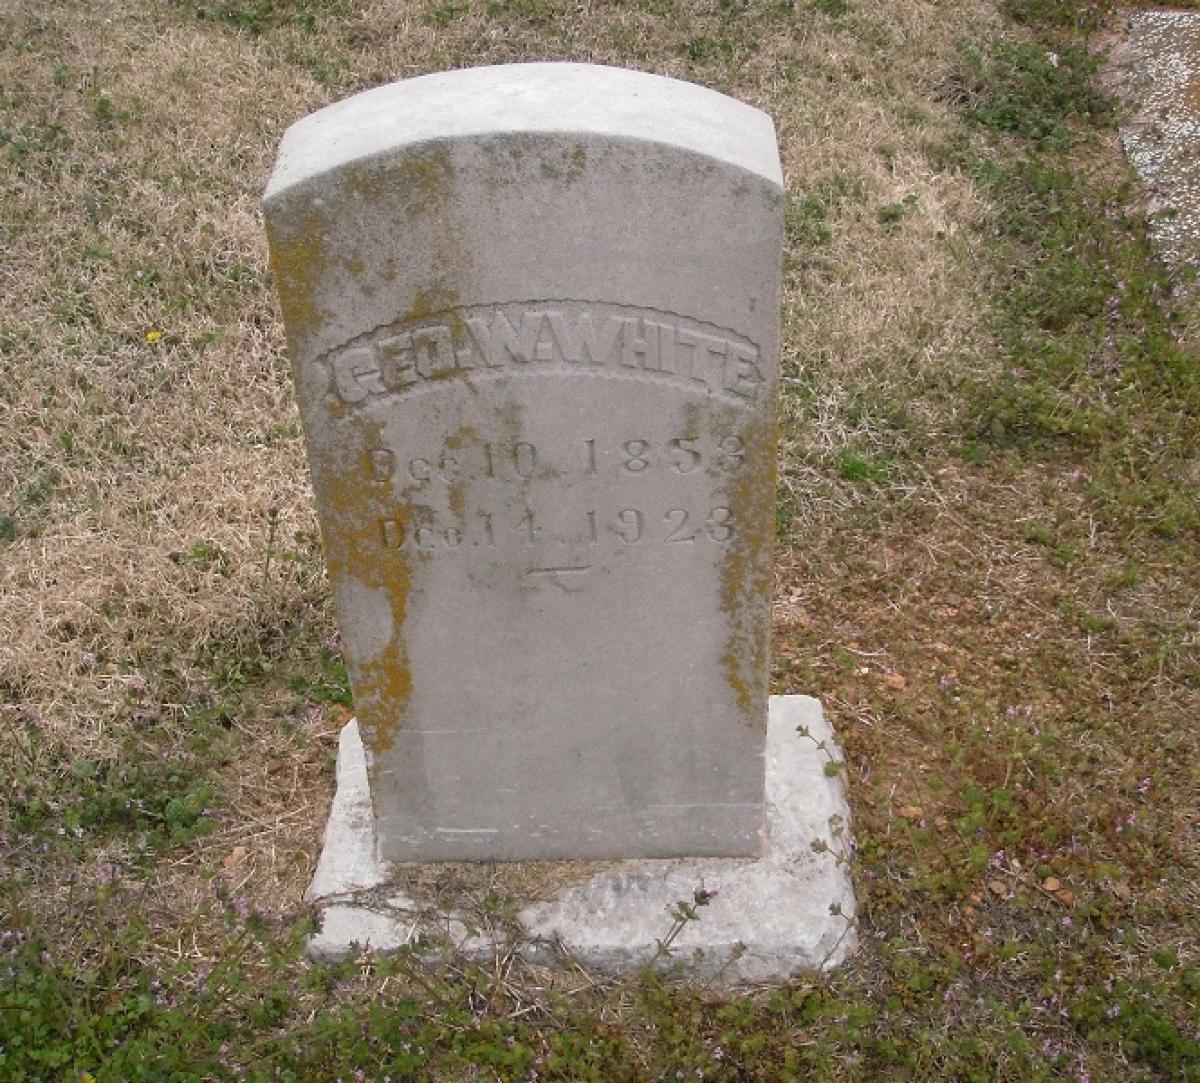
x,y
988,561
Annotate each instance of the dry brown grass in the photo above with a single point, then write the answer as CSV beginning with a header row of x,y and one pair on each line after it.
x,y
146,447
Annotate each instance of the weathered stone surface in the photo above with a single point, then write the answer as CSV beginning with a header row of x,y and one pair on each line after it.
x,y
533,318
788,912
348,859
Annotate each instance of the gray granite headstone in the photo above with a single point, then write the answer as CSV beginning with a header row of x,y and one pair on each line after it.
x,y
533,317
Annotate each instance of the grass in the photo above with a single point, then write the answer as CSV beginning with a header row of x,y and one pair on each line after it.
x,y
987,565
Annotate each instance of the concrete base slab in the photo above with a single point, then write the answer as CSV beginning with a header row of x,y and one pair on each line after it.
x,y
728,921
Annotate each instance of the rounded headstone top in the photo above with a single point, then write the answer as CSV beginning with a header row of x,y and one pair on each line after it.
x,y
519,99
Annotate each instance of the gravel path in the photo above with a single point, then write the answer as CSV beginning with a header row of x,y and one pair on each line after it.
x,y
1157,67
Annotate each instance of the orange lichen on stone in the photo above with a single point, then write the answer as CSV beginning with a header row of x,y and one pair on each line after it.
x,y
437,300
298,260
352,513
746,572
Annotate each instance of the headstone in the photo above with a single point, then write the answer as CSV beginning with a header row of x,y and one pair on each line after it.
x,y
533,317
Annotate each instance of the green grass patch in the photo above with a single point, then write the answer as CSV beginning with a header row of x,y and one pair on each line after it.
x,y
258,16
157,793
1084,313
808,213
1036,90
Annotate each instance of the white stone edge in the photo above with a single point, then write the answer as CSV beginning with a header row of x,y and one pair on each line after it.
x,y
348,863
348,868
516,99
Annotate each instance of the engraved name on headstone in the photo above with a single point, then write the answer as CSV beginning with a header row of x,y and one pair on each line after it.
x,y
533,318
